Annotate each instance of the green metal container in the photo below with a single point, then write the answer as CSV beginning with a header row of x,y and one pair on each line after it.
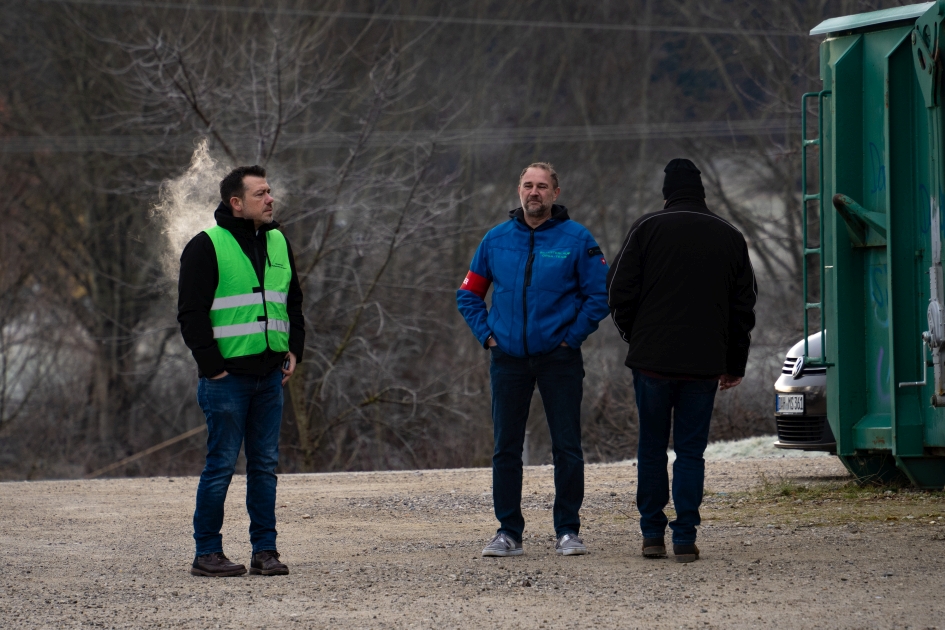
x,y
878,262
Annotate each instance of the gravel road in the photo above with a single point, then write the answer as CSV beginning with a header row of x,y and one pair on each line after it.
x,y
786,543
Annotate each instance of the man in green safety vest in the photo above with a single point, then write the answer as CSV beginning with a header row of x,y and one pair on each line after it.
x,y
240,313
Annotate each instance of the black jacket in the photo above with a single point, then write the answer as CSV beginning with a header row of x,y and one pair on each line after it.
x,y
198,283
682,292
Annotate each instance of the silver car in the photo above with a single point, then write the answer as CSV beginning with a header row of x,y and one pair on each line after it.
x,y
800,401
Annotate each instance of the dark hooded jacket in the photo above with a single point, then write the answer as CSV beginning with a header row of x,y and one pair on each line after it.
x,y
682,292
198,284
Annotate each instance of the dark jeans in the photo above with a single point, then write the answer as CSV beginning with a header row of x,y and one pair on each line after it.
x,y
559,375
690,403
237,408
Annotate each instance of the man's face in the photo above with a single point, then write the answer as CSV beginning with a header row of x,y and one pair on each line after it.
x,y
256,203
537,193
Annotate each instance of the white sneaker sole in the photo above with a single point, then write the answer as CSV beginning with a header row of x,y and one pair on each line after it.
x,y
571,552
490,553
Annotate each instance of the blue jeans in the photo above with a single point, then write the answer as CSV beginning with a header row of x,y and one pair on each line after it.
x,y
237,408
559,375
690,403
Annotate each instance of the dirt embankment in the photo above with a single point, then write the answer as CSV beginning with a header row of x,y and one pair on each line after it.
x,y
786,543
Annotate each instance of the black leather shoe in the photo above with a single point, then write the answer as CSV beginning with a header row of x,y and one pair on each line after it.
x,y
267,563
216,565
686,553
654,548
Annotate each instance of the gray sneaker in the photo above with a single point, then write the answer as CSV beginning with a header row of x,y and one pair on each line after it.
x,y
502,545
570,545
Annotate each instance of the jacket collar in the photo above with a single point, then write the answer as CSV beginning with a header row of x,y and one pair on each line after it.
x,y
238,227
559,214
684,197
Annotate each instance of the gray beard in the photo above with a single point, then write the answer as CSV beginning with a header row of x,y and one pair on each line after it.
x,y
540,211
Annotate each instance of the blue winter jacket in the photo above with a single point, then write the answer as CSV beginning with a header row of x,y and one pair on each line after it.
x,y
550,285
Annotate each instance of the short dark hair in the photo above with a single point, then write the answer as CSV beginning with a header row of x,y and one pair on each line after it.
x,y
232,184
545,166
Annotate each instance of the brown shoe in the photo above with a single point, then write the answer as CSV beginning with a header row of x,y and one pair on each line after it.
x,y
267,563
686,553
216,565
654,548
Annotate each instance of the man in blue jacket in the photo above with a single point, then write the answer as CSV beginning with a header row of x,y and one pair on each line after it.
x,y
550,293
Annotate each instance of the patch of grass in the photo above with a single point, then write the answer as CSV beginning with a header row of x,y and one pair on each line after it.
x,y
786,488
791,502
818,490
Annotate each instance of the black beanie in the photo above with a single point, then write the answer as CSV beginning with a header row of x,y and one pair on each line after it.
x,y
682,175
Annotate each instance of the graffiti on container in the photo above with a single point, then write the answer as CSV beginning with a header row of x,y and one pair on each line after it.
x,y
941,198
925,219
877,170
880,294
883,392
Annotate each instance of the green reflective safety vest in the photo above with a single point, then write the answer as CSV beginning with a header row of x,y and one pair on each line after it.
x,y
247,318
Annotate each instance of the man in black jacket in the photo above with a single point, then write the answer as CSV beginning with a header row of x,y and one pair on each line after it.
x,y
240,313
682,294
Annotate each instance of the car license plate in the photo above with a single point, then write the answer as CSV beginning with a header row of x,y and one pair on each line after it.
x,y
789,404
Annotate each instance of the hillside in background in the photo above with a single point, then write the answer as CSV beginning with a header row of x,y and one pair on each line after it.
x,y
394,134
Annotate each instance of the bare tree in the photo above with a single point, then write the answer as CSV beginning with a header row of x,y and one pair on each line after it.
x,y
393,143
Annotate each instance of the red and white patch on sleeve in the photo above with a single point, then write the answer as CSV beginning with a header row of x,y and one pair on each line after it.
x,y
475,283
603,261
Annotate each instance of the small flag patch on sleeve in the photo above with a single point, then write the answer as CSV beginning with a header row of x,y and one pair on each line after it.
x,y
476,284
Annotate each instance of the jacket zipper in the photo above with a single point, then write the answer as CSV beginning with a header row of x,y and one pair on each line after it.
x,y
262,287
528,282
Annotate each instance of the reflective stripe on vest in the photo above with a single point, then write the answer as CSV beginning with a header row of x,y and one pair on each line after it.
x,y
247,318
238,330
249,299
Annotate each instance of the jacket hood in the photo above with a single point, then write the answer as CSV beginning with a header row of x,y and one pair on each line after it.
x,y
225,219
559,213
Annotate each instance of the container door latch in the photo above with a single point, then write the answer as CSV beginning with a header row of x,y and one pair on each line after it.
x,y
934,337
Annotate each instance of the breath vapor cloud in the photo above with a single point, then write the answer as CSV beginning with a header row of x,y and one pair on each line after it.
x,y
186,203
